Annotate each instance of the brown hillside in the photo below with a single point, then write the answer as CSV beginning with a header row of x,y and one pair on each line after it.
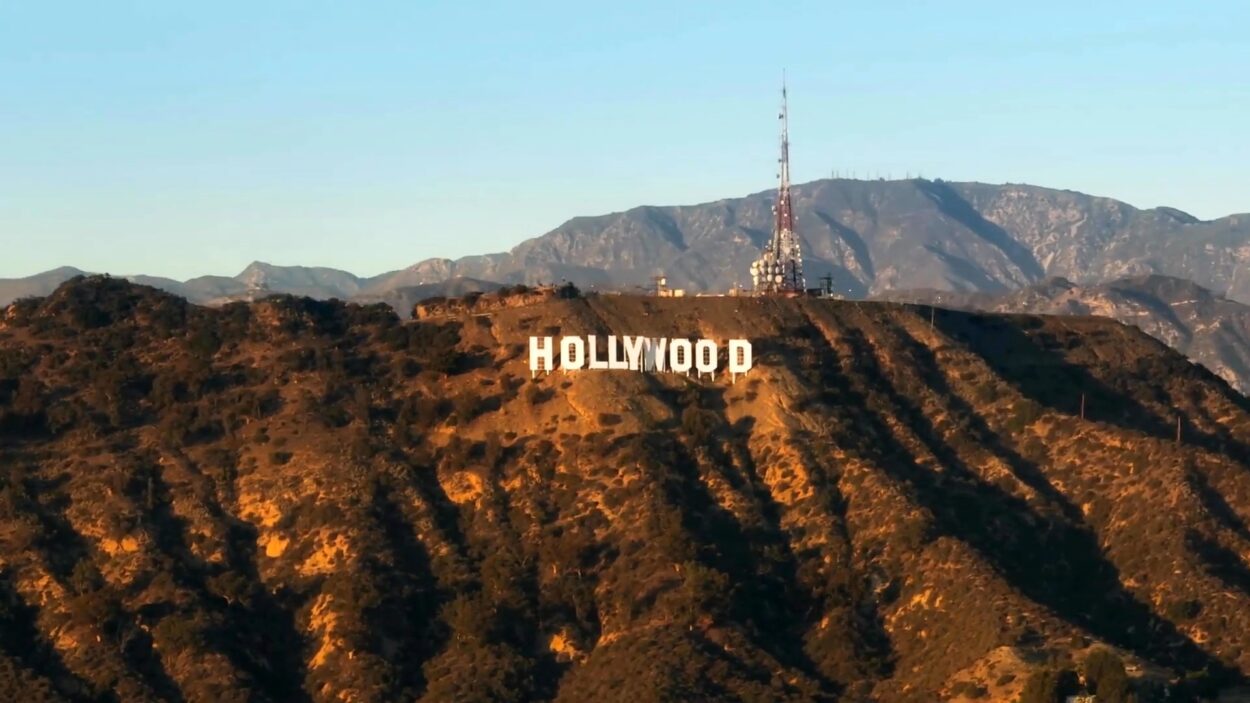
x,y
296,500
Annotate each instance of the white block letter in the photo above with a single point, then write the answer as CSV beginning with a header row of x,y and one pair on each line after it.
x,y
634,349
572,353
705,357
541,355
655,358
614,360
679,356
595,361
740,360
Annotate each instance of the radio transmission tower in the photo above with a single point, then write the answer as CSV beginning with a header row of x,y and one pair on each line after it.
x,y
780,268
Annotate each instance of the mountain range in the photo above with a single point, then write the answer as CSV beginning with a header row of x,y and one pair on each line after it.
x,y
294,500
993,247
398,288
874,236
869,236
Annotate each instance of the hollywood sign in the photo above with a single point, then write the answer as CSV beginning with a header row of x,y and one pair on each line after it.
x,y
647,354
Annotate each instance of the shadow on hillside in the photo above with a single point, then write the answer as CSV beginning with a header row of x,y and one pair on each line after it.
x,y
60,546
1057,564
412,593
952,204
1219,561
1158,307
1027,472
1045,376
267,622
853,241
20,639
757,236
424,481
850,591
666,225
973,275
755,554
757,559
871,646
258,623
63,549
1215,503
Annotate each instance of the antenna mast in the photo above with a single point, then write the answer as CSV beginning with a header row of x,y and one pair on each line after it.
x,y
780,267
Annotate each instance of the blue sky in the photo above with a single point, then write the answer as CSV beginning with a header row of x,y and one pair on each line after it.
x,y
186,138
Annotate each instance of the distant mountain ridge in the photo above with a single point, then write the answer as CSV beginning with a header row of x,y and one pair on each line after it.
x,y
260,278
874,236
869,236
1208,328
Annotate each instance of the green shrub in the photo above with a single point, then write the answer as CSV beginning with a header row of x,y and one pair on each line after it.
x,y
1106,677
969,689
700,425
1024,413
537,395
1182,610
1049,686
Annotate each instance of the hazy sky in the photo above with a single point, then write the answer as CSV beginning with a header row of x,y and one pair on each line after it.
x,y
185,138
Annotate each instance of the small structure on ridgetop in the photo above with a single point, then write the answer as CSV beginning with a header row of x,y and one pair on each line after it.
x,y
663,291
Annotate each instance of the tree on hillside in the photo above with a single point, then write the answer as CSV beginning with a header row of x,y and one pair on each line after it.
x,y
1049,686
1106,677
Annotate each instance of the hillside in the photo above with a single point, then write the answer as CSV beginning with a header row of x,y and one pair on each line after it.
x,y
1208,328
37,285
293,500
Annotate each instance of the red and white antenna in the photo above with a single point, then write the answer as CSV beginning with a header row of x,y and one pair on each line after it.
x,y
780,268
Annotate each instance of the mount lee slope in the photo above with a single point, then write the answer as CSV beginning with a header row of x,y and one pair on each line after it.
x,y
1208,328
299,500
873,236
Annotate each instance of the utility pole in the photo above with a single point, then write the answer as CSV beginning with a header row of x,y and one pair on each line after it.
x,y
1082,406
1178,428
